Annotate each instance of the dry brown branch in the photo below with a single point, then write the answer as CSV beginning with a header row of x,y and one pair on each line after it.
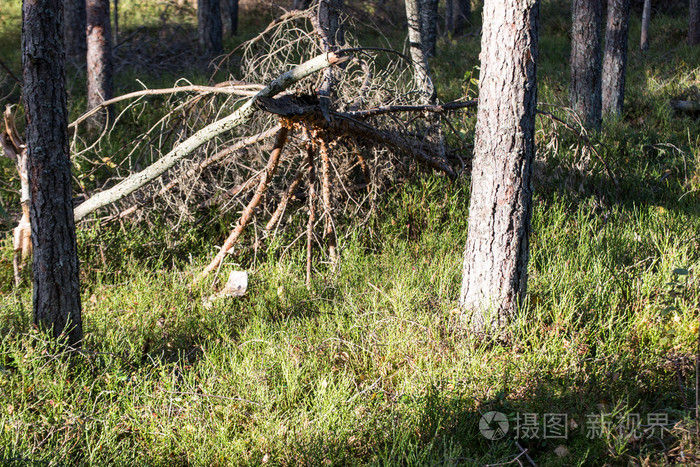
x,y
247,214
312,200
282,206
328,231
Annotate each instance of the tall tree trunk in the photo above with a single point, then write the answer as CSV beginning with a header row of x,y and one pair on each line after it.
x,y
74,28
233,16
428,17
99,58
301,4
694,23
462,15
497,251
55,263
209,26
646,17
586,57
116,22
449,16
423,80
615,57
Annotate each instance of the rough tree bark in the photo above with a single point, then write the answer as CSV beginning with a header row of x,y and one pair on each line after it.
x,y
209,26
586,58
99,58
615,57
417,48
497,250
428,23
75,22
646,17
55,263
694,23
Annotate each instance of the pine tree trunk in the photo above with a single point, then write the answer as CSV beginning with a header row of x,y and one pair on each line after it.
x,y
428,17
233,16
586,58
646,17
462,15
449,16
422,78
497,251
615,57
74,28
694,23
301,4
55,263
210,27
99,58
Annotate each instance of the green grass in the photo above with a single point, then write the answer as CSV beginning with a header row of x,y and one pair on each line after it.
x,y
372,365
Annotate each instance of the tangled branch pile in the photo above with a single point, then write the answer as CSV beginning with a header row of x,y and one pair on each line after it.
x,y
324,148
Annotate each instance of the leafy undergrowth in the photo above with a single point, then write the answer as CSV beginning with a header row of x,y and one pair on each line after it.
x,y
373,365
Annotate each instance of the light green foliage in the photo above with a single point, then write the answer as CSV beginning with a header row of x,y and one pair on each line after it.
x,y
372,366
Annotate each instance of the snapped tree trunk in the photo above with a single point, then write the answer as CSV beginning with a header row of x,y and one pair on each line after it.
x,y
646,17
421,69
694,23
615,57
497,250
209,27
428,19
75,22
55,263
586,57
99,59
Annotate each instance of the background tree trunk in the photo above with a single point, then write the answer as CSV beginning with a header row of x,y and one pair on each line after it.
x,y
615,57
586,32
74,27
497,251
55,263
428,23
694,23
449,16
301,4
420,62
462,15
646,17
209,26
229,15
99,58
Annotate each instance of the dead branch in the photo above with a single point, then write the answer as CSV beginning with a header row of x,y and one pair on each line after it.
x,y
201,166
247,214
586,140
282,206
226,88
328,231
239,116
312,200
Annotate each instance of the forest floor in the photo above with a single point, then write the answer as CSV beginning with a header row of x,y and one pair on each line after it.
x,y
372,365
